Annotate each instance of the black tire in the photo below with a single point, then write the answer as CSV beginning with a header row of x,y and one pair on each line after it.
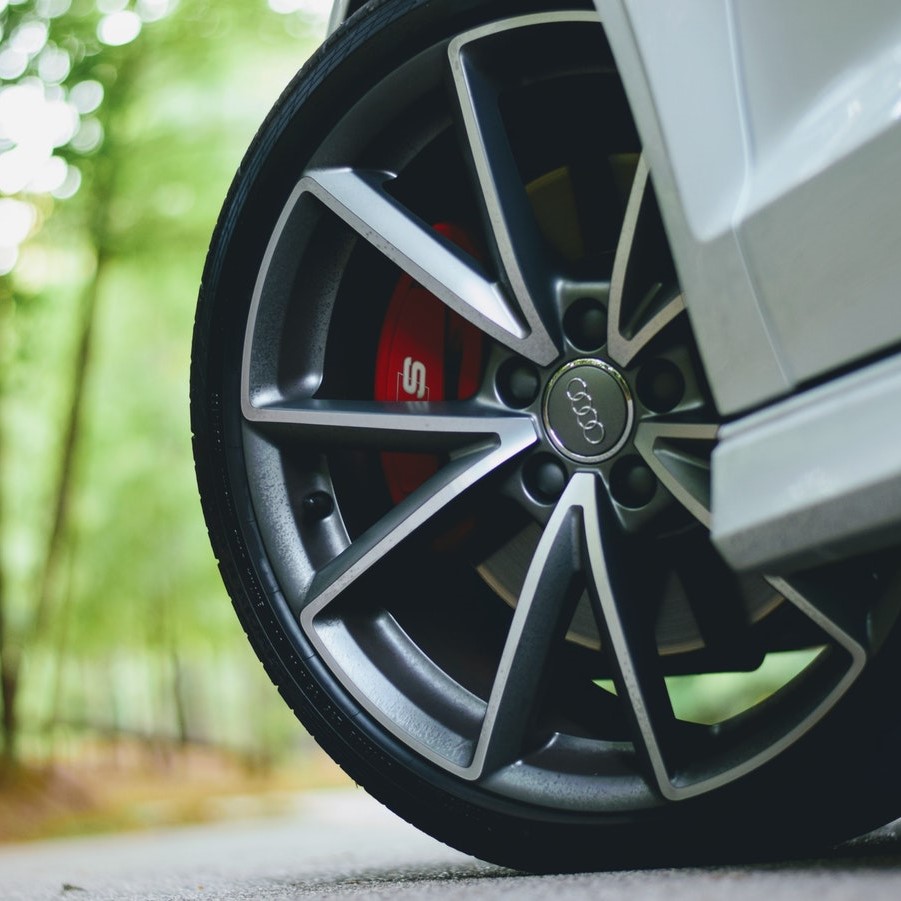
x,y
564,787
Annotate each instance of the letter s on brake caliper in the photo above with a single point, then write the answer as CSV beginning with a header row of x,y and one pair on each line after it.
x,y
426,353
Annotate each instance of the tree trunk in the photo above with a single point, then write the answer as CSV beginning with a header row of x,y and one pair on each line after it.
x,y
179,699
9,653
65,479
9,690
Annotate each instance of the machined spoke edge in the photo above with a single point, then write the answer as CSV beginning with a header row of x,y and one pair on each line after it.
x,y
517,238
542,615
689,484
631,645
455,477
359,199
838,617
622,348
389,426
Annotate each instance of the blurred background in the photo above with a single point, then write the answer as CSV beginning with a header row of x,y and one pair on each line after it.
x,y
129,693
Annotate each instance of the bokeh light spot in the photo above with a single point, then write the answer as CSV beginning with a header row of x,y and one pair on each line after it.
x,y
70,185
17,218
8,258
29,38
119,28
89,136
86,96
52,9
53,64
318,9
12,63
154,10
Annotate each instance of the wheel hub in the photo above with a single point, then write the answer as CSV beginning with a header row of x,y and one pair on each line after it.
x,y
587,410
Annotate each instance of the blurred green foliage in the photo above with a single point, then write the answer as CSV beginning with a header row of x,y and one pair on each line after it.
x,y
113,619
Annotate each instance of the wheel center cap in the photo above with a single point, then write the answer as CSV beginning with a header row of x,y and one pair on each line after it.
x,y
587,410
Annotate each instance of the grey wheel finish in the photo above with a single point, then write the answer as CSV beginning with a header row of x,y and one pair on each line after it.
x,y
507,629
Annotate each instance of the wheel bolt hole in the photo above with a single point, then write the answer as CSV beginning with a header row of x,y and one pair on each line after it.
x,y
545,478
660,385
632,483
317,505
585,324
518,383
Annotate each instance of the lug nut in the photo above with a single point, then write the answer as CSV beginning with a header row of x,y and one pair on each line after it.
x,y
518,383
632,483
585,324
660,385
317,505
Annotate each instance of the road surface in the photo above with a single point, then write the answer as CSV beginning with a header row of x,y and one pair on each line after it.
x,y
342,844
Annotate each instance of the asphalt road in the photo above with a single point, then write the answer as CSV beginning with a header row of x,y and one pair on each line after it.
x,y
343,844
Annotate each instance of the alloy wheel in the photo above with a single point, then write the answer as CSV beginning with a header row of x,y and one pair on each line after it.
x,y
476,438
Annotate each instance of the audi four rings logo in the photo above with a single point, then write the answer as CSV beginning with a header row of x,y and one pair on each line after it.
x,y
582,405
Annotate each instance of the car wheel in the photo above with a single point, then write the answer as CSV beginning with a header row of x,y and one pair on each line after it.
x,y
453,440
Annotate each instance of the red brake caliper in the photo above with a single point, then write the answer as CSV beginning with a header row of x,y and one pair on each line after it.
x,y
427,352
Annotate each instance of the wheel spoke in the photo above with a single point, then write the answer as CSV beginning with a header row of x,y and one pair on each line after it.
x,y
714,595
519,245
492,443
631,644
846,626
543,613
840,619
411,426
359,199
640,310
678,454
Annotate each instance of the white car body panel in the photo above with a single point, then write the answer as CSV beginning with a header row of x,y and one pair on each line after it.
x,y
790,490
